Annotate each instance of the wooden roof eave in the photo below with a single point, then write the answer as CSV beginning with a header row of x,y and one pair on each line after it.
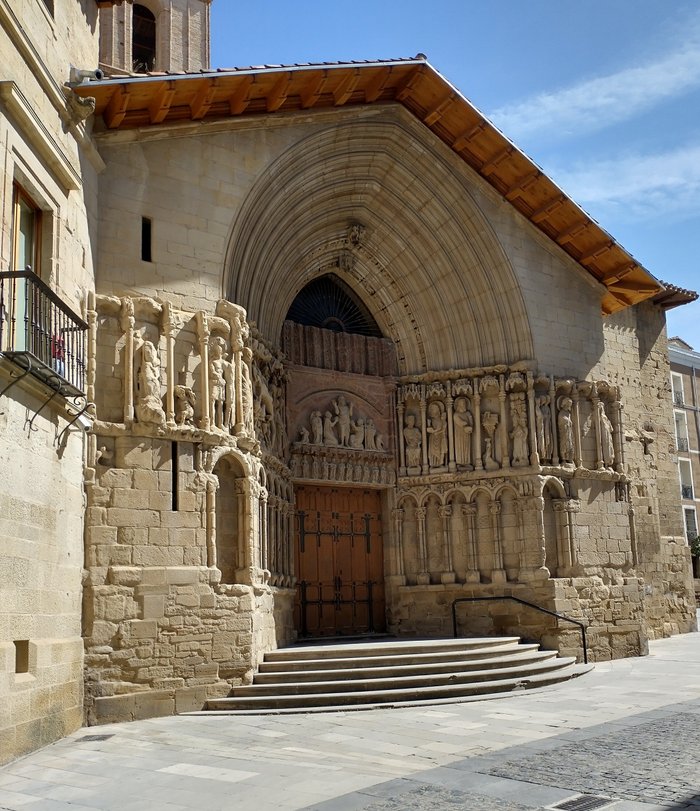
x,y
145,100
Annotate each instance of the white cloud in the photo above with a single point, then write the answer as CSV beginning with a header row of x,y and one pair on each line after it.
x,y
597,103
661,185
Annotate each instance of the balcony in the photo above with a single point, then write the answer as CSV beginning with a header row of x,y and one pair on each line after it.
x,y
41,334
682,443
687,491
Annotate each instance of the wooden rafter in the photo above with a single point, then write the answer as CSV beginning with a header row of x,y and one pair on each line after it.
x,y
494,161
593,253
572,232
438,111
203,98
313,89
240,98
375,86
159,108
346,88
522,184
465,138
278,95
116,108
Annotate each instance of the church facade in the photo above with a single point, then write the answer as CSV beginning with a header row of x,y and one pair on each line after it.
x,y
347,356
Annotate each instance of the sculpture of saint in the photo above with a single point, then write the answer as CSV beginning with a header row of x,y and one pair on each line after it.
x,y
519,432
343,410
217,382
149,407
329,423
247,393
413,439
437,440
607,444
370,435
464,426
543,426
316,427
565,426
357,434
185,400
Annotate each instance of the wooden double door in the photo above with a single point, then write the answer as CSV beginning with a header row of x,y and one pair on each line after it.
x,y
340,561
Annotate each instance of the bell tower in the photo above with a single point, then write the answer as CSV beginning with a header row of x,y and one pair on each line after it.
x,y
154,35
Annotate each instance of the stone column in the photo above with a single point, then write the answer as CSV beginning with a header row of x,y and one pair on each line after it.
x,y
617,437
564,561
203,338
553,415
263,529
576,420
503,426
91,369
400,409
498,574
599,462
398,516
168,327
423,578
211,488
128,323
472,573
478,462
424,432
534,455
452,463
288,541
445,513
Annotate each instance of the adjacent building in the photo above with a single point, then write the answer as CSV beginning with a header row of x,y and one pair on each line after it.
x,y
303,350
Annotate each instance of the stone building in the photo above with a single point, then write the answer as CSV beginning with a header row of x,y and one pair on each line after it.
x,y
343,354
685,366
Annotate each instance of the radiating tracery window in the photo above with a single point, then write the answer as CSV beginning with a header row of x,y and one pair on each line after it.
x,y
327,302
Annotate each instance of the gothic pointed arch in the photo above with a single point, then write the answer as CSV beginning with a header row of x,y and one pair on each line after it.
x,y
381,204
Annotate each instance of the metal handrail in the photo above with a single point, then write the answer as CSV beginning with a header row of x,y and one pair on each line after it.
x,y
522,602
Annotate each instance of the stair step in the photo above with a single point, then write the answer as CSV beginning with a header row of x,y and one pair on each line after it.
x,y
395,657
392,696
353,650
403,683
366,669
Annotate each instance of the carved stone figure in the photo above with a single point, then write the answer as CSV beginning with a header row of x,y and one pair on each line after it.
x,y
437,439
329,423
316,427
217,381
519,432
357,435
185,400
565,426
149,407
464,426
247,393
304,435
543,426
413,440
370,435
343,409
489,422
607,444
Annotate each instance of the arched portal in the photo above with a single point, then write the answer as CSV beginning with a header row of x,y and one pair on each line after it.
x,y
380,204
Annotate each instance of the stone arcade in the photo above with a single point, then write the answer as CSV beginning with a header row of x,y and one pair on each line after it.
x,y
349,356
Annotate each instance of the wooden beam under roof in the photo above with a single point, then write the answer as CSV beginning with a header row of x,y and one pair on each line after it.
x,y
548,208
278,95
464,138
240,99
313,89
346,88
593,253
376,86
522,184
159,107
203,99
115,111
409,84
573,231
438,111
492,163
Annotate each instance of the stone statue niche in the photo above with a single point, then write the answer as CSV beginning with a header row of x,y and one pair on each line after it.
x,y
413,441
437,435
221,386
463,430
149,404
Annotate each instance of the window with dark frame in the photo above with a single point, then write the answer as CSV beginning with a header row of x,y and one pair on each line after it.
x,y
143,51
26,232
146,237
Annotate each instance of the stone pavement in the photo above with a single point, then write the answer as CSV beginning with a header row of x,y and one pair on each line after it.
x,y
627,733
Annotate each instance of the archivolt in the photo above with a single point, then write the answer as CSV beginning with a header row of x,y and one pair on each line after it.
x,y
428,265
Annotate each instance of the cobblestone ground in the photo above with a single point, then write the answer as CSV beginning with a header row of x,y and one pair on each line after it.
x,y
432,798
657,761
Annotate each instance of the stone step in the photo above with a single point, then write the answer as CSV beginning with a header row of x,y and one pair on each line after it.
x,y
385,648
396,667
357,684
394,654
394,697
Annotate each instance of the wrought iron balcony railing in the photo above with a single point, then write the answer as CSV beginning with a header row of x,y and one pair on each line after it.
x,y
687,491
41,334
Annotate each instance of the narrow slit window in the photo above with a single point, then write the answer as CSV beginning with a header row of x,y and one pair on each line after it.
x,y
21,656
146,238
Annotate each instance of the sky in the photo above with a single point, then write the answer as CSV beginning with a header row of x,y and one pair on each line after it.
x,y
603,95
